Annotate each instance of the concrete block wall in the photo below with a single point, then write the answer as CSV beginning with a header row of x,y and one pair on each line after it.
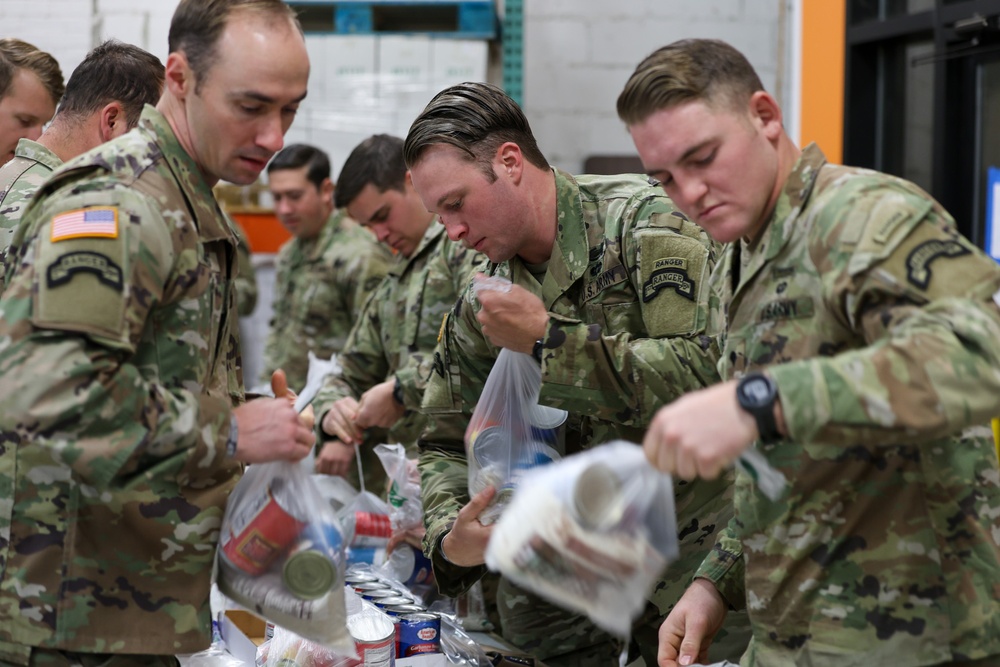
x,y
579,53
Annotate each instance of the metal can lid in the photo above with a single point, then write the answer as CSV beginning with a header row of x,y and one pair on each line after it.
x,y
370,586
359,578
308,574
392,600
597,497
404,609
421,616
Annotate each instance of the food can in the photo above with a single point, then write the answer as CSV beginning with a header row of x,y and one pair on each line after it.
x,y
598,501
412,565
364,587
352,578
419,633
545,423
404,609
310,569
374,640
359,555
371,529
392,601
379,593
261,530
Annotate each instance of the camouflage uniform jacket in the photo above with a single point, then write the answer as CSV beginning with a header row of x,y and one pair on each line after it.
x,y
32,165
626,290
877,321
398,330
120,360
246,276
320,288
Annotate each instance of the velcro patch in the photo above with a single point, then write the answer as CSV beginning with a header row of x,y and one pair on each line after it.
x,y
90,222
918,262
669,272
66,266
787,309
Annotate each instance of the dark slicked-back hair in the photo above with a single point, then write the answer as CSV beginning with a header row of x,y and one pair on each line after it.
x,y
197,25
476,118
377,160
706,70
296,156
16,54
113,72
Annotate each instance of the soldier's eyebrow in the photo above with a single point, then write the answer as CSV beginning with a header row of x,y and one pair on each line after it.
x,y
264,99
448,195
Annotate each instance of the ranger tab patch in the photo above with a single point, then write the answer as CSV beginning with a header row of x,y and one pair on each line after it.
x,y
68,265
918,262
669,272
90,222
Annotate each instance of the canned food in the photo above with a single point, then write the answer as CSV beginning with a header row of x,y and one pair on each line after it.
x,y
310,569
362,588
371,529
352,578
374,640
391,601
419,633
404,609
379,593
358,555
261,530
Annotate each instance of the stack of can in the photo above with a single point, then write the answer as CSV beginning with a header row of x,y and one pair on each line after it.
x,y
417,629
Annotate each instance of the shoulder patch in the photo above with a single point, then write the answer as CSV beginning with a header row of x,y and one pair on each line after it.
x,y
66,266
90,222
672,273
918,262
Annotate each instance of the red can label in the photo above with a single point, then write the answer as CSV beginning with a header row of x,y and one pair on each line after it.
x,y
259,534
369,524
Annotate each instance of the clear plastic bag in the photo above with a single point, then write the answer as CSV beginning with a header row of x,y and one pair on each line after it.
x,y
591,533
406,561
281,553
367,529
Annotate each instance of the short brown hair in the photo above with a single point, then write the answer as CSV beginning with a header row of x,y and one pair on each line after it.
x,y
197,25
16,54
476,118
708,70
114,72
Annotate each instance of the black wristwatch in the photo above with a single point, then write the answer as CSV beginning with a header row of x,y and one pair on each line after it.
x,y
536,350
397,391
757,394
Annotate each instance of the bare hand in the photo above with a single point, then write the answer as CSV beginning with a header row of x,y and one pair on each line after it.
x,y
700,433
377,407
514,319
339,421
279,385
691,626
335,458
270,430
465,544
414,537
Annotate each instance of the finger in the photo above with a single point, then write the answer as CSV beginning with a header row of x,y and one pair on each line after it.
x,y
685,465
279,383
477,504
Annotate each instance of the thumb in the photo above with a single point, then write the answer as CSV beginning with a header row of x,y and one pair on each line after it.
x,y
479,502
279,383
691,647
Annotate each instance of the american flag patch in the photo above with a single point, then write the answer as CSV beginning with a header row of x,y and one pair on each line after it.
x,y
91,222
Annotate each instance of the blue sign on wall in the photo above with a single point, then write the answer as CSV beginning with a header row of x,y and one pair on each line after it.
x,y
993,213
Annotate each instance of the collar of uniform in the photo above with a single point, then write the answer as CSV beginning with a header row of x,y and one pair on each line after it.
x,y
208,217
434,231
794,195
571,252
32,150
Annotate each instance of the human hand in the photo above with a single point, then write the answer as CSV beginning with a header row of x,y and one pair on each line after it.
x,y
377,407
279,386
270,430
339,421
514,319
413,536
700,433
335,458
465,544
691,626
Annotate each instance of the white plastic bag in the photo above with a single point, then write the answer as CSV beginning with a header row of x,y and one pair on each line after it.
x,y
501,441
592,533
281,553
367,529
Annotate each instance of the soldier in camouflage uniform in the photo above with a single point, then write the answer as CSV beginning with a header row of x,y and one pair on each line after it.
x,y
861,352
121,421
388,355
103,100
246,277
609,295
324,274
31,85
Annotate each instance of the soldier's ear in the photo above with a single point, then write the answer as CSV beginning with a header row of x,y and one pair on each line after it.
x,y
179,78
112,121
509,162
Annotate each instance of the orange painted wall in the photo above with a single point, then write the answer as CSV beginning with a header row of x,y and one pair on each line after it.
x,y
824,25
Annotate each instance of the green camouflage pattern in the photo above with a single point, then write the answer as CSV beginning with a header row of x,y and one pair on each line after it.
x,y
627,292
398,330
117,396
246,277
32,165
878,321
320,288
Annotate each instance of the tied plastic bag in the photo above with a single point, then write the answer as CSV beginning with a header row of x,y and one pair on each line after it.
x,y
406,561
591,533
281,553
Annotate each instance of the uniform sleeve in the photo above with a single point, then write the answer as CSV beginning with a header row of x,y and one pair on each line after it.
x,y
725,568
365,275
71,324
462,362
618,370
924,302
246,277
364,361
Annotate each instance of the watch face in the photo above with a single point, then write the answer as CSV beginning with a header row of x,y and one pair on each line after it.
x,y
756,390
